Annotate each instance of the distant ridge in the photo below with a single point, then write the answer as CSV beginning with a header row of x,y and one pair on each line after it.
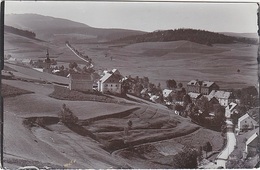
x,y
48,28
193,35
245,35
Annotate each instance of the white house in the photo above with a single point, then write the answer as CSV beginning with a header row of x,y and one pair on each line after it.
x,y
230,109
224,97
246,122
110,82
154,98
194,96
167,93
80,82
252,144
27,61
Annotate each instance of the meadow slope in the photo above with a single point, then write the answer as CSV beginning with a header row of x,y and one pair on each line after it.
x,y
96,141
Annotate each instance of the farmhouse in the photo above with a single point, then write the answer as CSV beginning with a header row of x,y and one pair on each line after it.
x,y
194,96
246,122
110,82
230,109
252,144
80,82
27,61
223,97
203,87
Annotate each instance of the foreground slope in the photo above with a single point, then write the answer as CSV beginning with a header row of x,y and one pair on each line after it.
x,y
99,138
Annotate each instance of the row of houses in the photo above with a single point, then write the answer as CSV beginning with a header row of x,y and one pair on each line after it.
x,y
209,89
196,89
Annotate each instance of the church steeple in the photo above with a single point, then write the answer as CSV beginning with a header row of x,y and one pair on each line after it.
x,y
47,53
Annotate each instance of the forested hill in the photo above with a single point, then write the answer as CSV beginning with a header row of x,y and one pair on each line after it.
x,y
197,36
24,33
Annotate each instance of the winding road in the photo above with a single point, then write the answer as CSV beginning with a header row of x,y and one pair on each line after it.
x,y
91,65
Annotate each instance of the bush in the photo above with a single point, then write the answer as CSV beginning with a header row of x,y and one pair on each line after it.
x,y
66,115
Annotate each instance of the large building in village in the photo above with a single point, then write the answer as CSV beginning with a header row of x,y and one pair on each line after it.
x,y
81,82
202,87
110,82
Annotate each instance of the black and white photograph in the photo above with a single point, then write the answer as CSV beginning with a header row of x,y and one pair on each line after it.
x,y
130,85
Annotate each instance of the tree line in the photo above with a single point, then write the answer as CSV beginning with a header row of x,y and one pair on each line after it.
x,y
193,35
24,33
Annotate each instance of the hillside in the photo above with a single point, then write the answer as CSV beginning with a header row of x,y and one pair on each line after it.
x,y
245,35
98,140
50,28
25,33
197,36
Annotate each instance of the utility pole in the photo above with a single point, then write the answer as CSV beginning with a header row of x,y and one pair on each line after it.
x,y
2,66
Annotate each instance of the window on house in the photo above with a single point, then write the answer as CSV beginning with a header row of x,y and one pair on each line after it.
x,y
116,85
111,85
106,85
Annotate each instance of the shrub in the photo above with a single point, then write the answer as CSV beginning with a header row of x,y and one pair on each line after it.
x,y
66,115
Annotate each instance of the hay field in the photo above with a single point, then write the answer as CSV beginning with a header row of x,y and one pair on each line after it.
x,y
181,60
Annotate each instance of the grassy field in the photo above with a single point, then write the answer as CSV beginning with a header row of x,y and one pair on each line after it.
x,y
180,60
59,146
31,74
72,95
10,91
153,126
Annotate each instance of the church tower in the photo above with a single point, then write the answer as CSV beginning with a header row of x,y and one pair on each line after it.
x,y
47,60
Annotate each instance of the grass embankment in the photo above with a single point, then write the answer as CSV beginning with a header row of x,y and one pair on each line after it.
x,y
10,91
148,125
63,93
201,137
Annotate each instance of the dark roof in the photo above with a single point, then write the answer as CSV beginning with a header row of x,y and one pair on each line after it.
x,y
80,76
203,83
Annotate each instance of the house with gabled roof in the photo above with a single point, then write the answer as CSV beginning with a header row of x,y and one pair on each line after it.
x,y
27,61
167,93
246,122
252,144
231,109
203,87
224,97
80,82
110,82
194,96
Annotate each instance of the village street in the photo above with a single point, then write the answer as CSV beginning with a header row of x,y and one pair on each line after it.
x,y
230,146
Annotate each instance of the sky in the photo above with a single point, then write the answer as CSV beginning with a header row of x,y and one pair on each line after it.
x,y
148,16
